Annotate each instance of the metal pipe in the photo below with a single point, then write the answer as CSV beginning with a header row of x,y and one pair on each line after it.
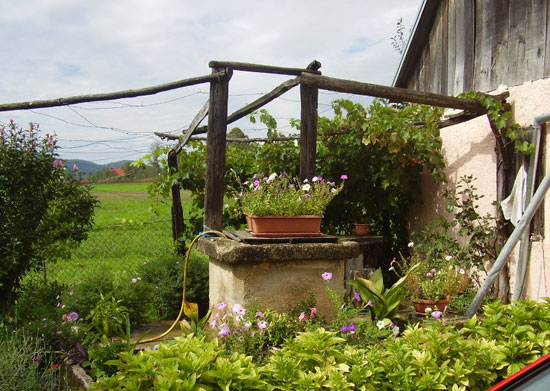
x,y
525,244
514,238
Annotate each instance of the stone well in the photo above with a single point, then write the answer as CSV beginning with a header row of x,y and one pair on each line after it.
x,y
276,276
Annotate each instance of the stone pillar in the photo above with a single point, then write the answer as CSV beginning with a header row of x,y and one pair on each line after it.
x,y
275,276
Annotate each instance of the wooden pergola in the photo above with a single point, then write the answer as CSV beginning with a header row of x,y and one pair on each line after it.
x,y
310,81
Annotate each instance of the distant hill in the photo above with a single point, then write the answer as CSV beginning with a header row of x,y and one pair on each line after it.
x,y
88,168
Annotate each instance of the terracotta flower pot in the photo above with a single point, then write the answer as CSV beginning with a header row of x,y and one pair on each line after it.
x,y
285,226
362,229
420,306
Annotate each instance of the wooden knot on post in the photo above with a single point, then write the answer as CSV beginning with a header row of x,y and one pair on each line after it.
x,y
314,65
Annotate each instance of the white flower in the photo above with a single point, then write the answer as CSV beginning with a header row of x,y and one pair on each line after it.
x,y
314,179
462,271
396,331
411,244
226,206
272,176
306,181
306,187
448,257
380,324
428,310
333,190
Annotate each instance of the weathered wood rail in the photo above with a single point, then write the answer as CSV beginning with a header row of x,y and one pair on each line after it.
x,y
310,81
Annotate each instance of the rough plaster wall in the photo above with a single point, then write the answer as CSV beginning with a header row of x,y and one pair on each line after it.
x,y
530,100
469,150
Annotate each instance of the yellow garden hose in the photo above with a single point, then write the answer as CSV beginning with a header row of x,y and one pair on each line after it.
x,y
185,265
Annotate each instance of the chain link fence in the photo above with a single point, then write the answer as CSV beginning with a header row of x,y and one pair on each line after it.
x,y
115,250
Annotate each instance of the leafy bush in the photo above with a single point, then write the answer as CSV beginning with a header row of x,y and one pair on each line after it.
x,y
190,363
430,357
26,364
44,212
135,296
37,300
164,275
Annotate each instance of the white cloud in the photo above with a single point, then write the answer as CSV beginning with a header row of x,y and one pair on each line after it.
x,y
55,48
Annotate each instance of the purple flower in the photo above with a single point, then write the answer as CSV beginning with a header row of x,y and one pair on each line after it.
x,y
260,314
36,358
307,196
437,314
256,183
429,275
356,297
326,276
72,317
331,183
350,328
344,177
262,325
223,330
221,306
369,304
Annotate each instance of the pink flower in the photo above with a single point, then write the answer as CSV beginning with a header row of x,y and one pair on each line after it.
x,y
429,275
50,141
72,317
260,314
58,163
437,314
326,276
313,312
134,280
302,317
239,309
75,167
344,177
262,325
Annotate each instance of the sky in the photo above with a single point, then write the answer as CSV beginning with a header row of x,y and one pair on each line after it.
x,y
61,48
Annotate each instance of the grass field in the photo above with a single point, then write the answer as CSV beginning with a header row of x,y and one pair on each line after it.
x,y
126,233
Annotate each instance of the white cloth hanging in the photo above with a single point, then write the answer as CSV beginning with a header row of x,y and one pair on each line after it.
x,y
513,206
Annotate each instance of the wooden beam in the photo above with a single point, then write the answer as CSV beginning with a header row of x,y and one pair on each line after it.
x,y
393,93
215,152
262,101
189,131
37,104
309,96
243,66
265,99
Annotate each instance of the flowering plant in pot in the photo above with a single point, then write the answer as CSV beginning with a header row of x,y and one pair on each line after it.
x,y
281,199
434,278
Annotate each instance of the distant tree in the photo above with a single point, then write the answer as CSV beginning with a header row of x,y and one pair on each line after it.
x,y
43,211
236,133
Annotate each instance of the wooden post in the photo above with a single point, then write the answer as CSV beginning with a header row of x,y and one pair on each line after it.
x,y
308,130
177,210
215,151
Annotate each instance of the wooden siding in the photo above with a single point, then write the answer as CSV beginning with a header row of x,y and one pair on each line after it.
x,y
464,45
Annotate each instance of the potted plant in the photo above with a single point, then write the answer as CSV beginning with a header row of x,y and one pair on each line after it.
x,y
435,277
362,226
278,205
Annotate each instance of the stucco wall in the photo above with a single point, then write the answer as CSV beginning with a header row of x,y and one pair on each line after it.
x,y
469,150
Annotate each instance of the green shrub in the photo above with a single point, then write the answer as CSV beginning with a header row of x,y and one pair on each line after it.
x,y
165,278
37,300
135,296
189,364
26,364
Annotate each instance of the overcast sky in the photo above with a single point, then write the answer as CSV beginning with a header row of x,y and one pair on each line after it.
x,y
59,48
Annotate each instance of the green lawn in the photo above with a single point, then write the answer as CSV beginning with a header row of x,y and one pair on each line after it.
x,y
130,228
